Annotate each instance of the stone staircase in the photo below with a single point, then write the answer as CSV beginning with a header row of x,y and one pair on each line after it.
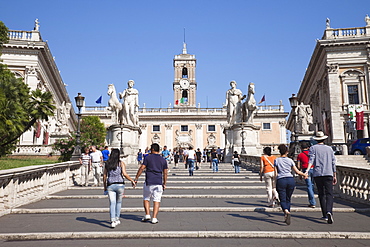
x,y
353,160
208,209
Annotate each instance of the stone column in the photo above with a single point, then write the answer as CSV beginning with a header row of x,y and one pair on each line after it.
x,y
143,138
282,125
199,136
169,136
335,103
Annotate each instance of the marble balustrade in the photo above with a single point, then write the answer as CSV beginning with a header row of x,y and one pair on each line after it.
x,y
353,182
24,185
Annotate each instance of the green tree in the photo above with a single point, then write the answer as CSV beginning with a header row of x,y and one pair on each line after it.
x,y
93,132
3,34
19,108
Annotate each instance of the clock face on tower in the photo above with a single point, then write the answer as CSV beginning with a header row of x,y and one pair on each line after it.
x,y
184,83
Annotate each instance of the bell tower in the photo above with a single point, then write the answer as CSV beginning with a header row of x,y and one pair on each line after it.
x,y
184,85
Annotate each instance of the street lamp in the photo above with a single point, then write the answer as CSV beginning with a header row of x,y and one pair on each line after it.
x,y
293,104
121,146
79,103
242,136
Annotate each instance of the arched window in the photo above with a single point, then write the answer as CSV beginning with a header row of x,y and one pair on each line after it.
x,y
185,94
184,72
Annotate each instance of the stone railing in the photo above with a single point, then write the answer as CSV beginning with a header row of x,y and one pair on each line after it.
x,y
353,182
24,185
331,33
24,35
271,108
250,162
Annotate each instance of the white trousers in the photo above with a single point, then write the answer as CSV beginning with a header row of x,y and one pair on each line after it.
x,y
270,182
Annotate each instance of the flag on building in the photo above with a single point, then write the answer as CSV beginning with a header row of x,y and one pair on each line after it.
x,y
262,100
360,120
98,101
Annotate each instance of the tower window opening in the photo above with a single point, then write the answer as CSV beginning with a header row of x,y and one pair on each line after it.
x,y
184,72
185,93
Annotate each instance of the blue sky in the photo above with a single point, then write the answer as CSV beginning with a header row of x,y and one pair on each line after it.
x,y
96,43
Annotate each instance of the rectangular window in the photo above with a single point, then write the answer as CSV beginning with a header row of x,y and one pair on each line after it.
x,y
266,126
211,128
156,128
184,128
353,94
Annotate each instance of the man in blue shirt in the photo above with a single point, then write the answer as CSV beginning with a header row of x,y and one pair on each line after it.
x,y
166,154
324,173
156,169
105,154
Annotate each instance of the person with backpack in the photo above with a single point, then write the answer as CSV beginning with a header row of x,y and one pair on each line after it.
x,y
267,172
114,185
302,164
236,161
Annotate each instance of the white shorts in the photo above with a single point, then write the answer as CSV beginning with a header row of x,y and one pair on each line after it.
x,y
153,192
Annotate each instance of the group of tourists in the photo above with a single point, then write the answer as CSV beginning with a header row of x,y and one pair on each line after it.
x,y
317,164
93,160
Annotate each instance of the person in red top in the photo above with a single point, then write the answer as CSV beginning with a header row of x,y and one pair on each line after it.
x,y
303,159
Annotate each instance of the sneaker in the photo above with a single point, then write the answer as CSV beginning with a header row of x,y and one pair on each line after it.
x,y
154,221
118,222
330,218
145,219
324,218
113,224
312,206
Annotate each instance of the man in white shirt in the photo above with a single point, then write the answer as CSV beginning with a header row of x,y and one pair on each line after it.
x,y
96,165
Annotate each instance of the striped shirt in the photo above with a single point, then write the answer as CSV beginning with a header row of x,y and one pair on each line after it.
x,y
85,159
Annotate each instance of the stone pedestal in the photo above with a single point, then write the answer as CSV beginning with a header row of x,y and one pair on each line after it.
x,y
242,135
130,136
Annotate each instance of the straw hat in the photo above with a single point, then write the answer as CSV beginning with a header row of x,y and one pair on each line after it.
x,y
320,136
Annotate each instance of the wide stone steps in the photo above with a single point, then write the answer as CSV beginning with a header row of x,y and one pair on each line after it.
x,y
225,206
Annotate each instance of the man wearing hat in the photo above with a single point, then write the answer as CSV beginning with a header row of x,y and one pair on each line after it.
x,y
324,172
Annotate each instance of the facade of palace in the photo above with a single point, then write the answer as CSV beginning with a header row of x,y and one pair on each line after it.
x,y
336,84
186,124
30,58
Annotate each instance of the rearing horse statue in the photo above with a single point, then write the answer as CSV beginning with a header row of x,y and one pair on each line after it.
x,y
250,105
114,104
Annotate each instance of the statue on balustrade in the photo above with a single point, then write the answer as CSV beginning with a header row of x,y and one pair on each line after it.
x,y
234,99
62,117
250,105
367,20
304,118
130,96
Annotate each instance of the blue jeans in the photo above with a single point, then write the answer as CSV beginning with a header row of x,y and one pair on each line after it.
x,y
285,187
324,186
215,165
310,186
237,167
115,193
191,167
